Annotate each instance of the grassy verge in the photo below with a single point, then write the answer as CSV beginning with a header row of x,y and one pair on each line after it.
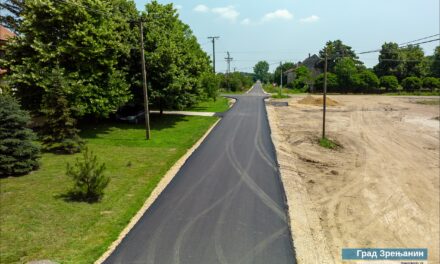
x,y
269,88
437,93
327,143
279,96
429,102
37,224
220,105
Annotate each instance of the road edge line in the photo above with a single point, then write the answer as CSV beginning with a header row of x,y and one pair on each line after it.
x,y
160,187
309,247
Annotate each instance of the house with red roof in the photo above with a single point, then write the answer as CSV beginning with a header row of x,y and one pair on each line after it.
x,y
5,34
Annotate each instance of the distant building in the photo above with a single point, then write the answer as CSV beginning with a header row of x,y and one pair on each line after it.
x,y
311,63
5,34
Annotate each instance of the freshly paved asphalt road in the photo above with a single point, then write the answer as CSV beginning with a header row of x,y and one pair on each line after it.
x,y
226,204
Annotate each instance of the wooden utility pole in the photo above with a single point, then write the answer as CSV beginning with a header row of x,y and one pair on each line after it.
x,y
324,95
281,74
228,60
213,51
144,78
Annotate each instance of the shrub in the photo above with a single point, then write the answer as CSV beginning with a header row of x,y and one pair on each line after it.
x,y
431,82
18,154
411,84
368,81
389,82
89,179
210,84
332,82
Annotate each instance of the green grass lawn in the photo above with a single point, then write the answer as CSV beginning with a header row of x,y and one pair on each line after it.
x,y
220,105
36,223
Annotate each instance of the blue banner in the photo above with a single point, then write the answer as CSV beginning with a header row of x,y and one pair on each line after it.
x,y
384,254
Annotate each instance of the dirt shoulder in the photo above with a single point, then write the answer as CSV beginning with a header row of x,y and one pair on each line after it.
x,y
381,189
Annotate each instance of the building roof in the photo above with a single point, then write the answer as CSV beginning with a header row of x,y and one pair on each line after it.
x,y
5,33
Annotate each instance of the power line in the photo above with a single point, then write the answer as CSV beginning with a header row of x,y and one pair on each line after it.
x,y
419,39
400,46
213,51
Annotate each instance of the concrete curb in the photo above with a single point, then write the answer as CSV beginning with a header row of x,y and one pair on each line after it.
x,y
171,173
309,241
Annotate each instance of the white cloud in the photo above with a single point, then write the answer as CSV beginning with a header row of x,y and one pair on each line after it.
x,y
310,19
246,21
278,14
201,9
227,12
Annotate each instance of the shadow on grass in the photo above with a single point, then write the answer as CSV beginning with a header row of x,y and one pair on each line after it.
x,y
76,197
158,122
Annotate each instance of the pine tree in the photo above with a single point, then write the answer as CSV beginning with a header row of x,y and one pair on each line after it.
x,y
18,153
59,132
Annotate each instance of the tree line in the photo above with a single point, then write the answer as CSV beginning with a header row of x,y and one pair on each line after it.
x,y
399,69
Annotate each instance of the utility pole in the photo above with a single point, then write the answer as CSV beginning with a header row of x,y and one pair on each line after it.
x,y
144,77
228,60
213,51
324,94
281,74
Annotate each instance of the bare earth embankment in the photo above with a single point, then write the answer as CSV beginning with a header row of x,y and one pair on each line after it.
x,y
380,189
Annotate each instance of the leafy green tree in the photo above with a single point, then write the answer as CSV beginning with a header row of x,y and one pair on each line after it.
x,y
277,74
435,65
303,78
211,85
414,61
389,60
431,83
86,40
336,50
174,58
332,82
59,132
412,84
389,82
18,154
261,71
346,71
367,82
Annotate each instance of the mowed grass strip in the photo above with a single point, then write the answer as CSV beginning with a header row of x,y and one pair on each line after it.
x,y
217,106
36,223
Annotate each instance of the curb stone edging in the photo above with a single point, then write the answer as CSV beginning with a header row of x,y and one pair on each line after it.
x,y
163,183
309,242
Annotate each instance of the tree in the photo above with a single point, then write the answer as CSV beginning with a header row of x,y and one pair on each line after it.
x,y
367,81
435,65
389,60
389,82
411,84
88,177
174,58
332,82
414,65
86,40
431,83
277,74
303,78
346,71
18,153
211,85
336,50
59,132
261,71
12,18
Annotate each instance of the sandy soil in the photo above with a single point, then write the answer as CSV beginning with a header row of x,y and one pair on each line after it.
x,y
380,189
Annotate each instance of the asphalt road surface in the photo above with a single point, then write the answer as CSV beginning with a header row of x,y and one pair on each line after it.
x,y
225,205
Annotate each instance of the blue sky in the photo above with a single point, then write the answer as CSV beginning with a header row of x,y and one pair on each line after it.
x,y
288,30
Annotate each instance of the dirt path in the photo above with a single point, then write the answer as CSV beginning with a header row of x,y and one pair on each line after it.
x,y
380,190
